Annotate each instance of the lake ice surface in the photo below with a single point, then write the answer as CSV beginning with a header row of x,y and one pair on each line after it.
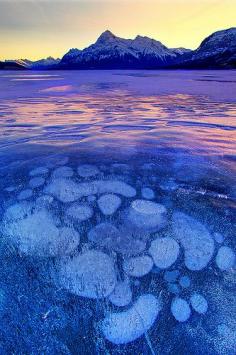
x,y
63,287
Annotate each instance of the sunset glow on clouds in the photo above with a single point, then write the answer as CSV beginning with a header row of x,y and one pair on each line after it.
x,y
39,28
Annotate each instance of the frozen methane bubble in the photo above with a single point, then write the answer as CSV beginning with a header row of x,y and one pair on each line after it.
x,y
147,193
219,238
90,274
225,258
108,236
122,294
36,182
80,212
87,170
35,233
184,281
199,303
66,190
109,203
115,187
180,309
164,252
41,170
146,215
91,198
138,266
24,194
10,189
196,240
44,201
169,185
173,288
63,172
171,276
125,327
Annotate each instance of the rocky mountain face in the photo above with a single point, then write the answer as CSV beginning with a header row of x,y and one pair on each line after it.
x,y
216,51
112,52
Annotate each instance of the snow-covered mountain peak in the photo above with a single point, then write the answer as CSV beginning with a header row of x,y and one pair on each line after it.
x,y
106,36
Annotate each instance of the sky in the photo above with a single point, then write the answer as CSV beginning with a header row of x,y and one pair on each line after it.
x,y
37,29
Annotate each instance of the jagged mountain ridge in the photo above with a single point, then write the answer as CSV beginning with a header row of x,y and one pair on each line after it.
x,y
110,51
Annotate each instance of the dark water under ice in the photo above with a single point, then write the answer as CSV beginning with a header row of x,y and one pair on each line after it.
x,y
171,131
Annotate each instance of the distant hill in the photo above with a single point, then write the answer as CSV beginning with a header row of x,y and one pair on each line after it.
x,y
218,51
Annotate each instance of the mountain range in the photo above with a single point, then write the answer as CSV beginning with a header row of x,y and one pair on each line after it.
x,y
218,51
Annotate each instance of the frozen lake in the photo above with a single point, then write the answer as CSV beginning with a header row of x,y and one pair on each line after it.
x,y
118,196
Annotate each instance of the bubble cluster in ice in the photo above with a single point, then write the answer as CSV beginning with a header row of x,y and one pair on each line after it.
x,y
110,253
35,231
